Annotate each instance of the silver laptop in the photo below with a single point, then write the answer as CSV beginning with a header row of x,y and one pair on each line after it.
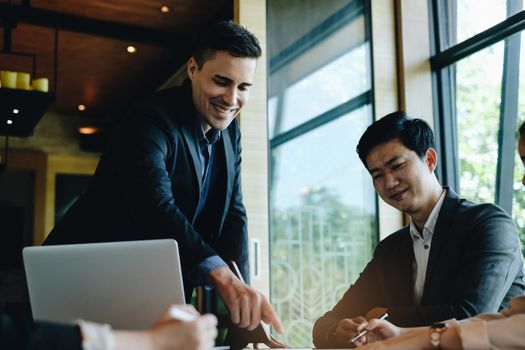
x,y
125,284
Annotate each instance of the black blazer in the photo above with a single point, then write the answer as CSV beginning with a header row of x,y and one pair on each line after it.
x,y
474,266
146,186
38,335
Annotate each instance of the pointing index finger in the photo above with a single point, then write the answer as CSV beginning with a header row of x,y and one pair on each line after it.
x,y
270,316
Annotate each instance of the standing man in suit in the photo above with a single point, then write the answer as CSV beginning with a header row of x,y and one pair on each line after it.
x,y
172,170
455,259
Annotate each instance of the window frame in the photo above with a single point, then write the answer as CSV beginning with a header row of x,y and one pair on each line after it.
x,y
347,14
332,24
443,81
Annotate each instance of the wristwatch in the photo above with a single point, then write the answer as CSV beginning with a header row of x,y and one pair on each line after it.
x,y
436,329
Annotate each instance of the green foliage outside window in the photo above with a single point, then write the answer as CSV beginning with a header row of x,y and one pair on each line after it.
x,y
319,247
478,95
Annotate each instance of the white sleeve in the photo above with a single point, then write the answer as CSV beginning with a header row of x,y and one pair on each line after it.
x,y
96,336
474,335
507,333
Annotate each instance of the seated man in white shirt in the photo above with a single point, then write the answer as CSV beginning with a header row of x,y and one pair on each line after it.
x,y
456,259
503,330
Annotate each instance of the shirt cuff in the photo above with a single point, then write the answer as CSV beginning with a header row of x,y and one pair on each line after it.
x,y
96,336
474,335
452,322
211,263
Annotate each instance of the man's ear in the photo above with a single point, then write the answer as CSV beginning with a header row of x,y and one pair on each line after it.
x,y
431,159
191,67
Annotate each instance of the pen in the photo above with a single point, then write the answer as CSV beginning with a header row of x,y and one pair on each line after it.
x,y
236,271
181,315
364,331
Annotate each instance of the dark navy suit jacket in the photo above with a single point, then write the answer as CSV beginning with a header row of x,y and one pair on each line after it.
x,y
147,186
38,335
474,266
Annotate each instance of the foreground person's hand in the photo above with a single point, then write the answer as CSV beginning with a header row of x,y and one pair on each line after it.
x,y
412,341
172,334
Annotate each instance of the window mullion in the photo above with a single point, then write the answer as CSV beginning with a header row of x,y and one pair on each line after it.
x,y
448,137
508,116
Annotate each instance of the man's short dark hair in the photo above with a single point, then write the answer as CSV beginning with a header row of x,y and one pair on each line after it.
x,y
225,36
415,134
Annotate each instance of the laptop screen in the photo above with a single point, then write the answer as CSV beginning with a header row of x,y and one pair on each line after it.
x,y
125,284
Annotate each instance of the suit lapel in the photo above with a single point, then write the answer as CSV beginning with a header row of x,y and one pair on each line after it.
x,y
185,115
191,141
230,166
442,233
406,265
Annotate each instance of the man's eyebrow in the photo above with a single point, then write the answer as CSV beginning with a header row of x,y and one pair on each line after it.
x,y
388,163
374,170
392,160
226,79
222,77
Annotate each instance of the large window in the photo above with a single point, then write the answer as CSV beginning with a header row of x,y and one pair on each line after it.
x,y
478,94
518,192
478,73
322,204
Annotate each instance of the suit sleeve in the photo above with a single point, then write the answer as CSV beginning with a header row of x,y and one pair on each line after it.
x,y
141,151
489,266
38,335
356,301
233,244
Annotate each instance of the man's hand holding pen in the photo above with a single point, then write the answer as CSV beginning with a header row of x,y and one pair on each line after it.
x,y
357,331
346,329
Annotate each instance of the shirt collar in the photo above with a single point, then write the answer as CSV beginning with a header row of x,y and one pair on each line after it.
x,y
208,138
213,136
430,224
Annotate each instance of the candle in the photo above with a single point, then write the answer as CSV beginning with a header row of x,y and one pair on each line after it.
x,y
22,81
41,84
8,79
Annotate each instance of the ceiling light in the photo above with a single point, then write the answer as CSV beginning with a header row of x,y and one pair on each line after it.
x,y
81,108
164,9
9,121
15,111
132,49
87,130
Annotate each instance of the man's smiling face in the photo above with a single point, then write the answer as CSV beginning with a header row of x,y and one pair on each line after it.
x,y
400,177
221,87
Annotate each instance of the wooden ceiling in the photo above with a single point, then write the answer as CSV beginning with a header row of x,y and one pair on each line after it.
x,y
91,38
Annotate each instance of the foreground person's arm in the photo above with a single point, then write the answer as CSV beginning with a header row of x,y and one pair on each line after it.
x,y
417,338
198,334
504,333
479,334
37,335
168,333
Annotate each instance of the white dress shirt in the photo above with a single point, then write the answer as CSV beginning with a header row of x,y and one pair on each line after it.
x,y
422,242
